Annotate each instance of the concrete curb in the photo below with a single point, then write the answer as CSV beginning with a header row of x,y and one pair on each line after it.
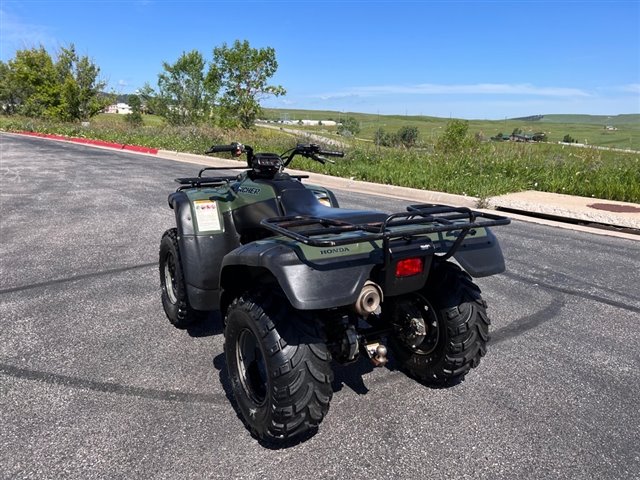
x,y
92,142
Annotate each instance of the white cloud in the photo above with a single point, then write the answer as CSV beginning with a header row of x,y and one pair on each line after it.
x,y
632,87
471,89
123,83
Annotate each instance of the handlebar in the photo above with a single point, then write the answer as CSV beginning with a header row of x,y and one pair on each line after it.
x,y
329,153
236,148
309,150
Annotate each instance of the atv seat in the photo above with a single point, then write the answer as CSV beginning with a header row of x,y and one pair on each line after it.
x,y
302,202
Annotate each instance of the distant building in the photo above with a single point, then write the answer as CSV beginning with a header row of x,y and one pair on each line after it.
x,y
610,128
311,123
121,108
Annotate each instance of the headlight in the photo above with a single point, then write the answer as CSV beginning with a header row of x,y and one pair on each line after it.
x,y
323,198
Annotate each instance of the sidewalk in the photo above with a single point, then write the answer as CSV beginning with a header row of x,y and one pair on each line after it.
x,y
582,209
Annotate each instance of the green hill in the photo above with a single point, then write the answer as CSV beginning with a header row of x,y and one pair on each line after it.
x,y
600,120
588,129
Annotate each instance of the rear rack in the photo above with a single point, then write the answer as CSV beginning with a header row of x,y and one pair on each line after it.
x,y
420,219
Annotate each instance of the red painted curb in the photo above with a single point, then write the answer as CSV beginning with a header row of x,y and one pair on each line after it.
x,y
89,141
136,148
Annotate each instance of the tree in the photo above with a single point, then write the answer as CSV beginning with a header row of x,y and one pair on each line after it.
x,y
243,73
68,89
80,96
349,126
8,94
135,117
150,100
32,83
186,95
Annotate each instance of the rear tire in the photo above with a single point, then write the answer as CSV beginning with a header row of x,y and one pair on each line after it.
x,y
174,292
457,329
278,365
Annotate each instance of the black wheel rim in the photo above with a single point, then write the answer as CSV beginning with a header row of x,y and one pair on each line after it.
x,y
252,367
433,334
170,278
431,340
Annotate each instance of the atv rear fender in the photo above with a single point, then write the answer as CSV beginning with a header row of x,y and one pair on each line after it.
x,y
481,256
306,288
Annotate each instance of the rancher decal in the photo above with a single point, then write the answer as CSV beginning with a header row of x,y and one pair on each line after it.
x,y
249,190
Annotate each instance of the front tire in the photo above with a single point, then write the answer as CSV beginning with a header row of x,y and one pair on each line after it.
x,y
278,365
453,332
174,292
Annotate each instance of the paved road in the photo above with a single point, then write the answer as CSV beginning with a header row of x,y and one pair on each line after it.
x,y
309,134
95,383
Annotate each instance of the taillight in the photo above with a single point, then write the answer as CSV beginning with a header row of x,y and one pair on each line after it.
x,y
409,267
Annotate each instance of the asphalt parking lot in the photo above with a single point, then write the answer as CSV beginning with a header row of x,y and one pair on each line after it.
x,y
95,382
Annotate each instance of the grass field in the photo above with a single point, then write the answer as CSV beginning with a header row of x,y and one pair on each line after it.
x,y
589,129
476,168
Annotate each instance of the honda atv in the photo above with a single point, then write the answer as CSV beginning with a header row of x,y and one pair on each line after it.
x,y
301,282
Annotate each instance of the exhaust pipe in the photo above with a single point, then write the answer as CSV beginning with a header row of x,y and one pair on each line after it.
x,y
369,299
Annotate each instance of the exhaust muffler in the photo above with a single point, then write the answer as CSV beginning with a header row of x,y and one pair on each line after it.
x,y
369,299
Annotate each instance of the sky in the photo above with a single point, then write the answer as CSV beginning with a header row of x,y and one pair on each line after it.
x,y
460,59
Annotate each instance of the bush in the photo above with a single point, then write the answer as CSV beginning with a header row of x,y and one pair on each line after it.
x,y
349,127
454,136
408,136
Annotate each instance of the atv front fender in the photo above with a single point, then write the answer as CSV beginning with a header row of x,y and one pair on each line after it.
x,y
201,254
306,288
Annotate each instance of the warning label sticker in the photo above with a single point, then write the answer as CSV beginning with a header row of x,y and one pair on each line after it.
x,y
207,215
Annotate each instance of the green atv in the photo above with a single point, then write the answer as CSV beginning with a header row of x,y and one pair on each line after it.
x,y
300,282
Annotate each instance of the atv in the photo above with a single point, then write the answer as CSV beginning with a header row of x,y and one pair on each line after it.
x,y
300,282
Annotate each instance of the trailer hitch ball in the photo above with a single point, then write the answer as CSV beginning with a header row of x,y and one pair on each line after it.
x,y
369,299
377,353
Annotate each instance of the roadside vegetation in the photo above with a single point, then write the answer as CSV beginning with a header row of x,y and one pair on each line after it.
x,y
457,163
198,103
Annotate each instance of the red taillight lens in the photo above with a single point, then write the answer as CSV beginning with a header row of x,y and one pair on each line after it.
x,y
409,267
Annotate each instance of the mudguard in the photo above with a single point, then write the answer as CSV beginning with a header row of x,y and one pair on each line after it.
x,y
481,256
334,285
201,254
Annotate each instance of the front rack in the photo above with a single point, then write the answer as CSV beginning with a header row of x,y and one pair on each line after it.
x,y
200,182
420,219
